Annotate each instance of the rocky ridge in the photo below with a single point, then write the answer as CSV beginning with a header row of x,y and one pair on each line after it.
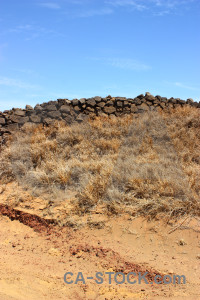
x,y
79,109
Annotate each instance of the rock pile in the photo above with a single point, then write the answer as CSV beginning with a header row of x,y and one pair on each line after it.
x,y
79,109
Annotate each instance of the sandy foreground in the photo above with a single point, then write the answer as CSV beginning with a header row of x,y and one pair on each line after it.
x,y
33,263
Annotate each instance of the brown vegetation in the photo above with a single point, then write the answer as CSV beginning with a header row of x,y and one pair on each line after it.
x,y
147,164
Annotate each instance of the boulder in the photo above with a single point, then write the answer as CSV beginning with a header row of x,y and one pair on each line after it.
x,y
147,94
3,130
51,107
91,102
51,102
138,101
119,103
159,97
29,107
97,99
20,113
140,96
81,117
82,101
23,120
32,112
38,107
109,109
162,105
2,121
28,126
75,102
14,118
73,113
143,106
48,121
195,104
101,104
43,104
156,101
134,108
110,103
180,101
86,112
102,114
54,114
65,109
35,119
126,110
126,103
98,109
76,108
150,98
63,102
68,119
172,100
189,101
90,109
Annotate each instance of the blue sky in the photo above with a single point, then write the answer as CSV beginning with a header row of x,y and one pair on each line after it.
x,y
83,48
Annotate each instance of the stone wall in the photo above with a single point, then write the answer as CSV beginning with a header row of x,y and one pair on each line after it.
x,y
79,109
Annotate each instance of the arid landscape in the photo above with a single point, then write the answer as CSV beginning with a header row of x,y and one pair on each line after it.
x,y
33,264
99,150
109,194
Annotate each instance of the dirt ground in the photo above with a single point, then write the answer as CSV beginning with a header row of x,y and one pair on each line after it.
x,y
33,263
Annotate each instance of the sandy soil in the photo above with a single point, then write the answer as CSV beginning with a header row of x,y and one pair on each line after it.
x,y
33,263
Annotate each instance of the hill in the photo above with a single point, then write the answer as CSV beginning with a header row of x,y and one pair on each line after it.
x,y
87,190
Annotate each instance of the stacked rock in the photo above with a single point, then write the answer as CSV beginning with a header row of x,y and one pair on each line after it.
x,y
79,109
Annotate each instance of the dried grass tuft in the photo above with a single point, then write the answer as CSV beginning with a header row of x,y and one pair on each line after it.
x,y
150,163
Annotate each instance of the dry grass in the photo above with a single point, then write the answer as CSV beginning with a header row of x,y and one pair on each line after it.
x,y
60,157
150,165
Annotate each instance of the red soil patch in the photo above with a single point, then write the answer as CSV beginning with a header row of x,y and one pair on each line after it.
x,y
33,221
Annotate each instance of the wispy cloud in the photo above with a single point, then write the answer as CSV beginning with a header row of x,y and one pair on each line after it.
x,y
31,32
181,85
129,64
50,5
10,82
134,4
94,12
25,71
185,86
156,7
19,29
161,13
163,7
124,63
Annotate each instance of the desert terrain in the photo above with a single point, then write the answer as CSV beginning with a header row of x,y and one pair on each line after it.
x,y
33,263
109,195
